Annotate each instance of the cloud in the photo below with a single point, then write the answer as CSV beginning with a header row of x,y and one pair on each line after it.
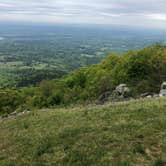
x,y
128,12
157,16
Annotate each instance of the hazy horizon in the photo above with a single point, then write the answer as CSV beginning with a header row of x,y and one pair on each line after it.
x,y
24,24
143,13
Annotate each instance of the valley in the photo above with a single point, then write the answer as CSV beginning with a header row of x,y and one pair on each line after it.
x,y
32,53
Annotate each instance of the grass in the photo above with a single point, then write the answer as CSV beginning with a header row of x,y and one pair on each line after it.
x,y
122,134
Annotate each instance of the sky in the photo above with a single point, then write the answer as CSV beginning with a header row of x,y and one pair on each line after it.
x,y
144,13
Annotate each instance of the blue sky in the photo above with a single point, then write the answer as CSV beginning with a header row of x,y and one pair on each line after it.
x,y
146,13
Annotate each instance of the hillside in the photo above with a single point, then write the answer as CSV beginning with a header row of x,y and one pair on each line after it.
x,y
142,70
125,133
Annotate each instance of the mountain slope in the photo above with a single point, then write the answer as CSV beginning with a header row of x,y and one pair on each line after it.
x,y
125,133
142,70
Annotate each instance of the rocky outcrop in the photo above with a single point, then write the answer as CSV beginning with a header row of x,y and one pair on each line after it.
x,y
163,89
15,113
122,91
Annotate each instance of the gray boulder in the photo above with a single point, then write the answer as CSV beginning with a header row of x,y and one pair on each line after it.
x,y
163,89
122,91
13,113
148,95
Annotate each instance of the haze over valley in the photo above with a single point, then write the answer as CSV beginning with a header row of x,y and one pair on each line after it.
x,y
32,52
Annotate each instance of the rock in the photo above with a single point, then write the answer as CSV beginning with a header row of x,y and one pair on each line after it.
x,y
4,116
26,111
163,89
149,95
155,95
103,97
145,94
122,91
13,113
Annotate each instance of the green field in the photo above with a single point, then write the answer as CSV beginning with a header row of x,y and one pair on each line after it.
x,y
124,133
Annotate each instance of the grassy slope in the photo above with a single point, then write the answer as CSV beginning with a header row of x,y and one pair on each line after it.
x,y
127,133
